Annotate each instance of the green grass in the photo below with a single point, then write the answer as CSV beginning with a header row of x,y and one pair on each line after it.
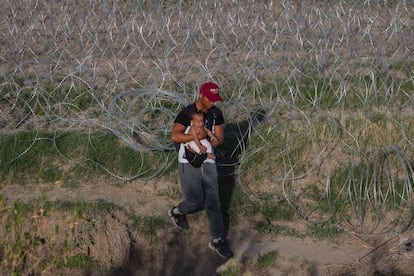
x,y
318,203
267,260
72,156
241,205
324,231
149,225
23,153
276,230
146,225
80,208
376,189
78,261
277,210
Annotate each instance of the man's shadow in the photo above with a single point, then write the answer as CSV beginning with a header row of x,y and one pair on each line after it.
x,y
236,140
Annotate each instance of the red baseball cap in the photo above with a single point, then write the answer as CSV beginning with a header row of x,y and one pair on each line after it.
x,y
211,91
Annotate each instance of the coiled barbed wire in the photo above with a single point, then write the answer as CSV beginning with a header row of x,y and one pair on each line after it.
x,y
323,74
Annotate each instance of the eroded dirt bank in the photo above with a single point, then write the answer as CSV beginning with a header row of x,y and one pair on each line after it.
x,y
111,238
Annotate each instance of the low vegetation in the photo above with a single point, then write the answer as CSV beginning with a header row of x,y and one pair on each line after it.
x,y
318,101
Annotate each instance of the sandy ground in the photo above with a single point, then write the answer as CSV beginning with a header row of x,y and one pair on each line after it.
x,y
150,198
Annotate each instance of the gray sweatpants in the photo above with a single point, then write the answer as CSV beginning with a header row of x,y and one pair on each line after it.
x,y
201,191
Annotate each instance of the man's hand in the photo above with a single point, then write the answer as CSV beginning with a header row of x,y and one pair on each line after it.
x,y
214,141
219,135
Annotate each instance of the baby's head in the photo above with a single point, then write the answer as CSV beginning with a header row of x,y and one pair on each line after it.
x,y
197,119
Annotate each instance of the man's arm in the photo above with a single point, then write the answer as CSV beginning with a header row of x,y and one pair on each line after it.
x,y
219,133
210,134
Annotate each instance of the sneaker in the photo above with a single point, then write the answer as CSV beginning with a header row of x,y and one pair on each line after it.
x,y
221,247
179,220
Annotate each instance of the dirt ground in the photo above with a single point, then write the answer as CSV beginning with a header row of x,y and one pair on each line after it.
x,y
388,254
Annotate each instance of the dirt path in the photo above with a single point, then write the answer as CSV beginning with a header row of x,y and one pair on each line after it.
x,y
150,198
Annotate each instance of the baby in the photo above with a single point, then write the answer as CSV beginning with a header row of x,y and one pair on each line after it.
x,y
197,127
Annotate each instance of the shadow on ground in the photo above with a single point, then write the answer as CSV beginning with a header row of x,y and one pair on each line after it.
x,y
184,259
190,254
237,137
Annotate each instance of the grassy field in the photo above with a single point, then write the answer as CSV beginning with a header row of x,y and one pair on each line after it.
x,y
318,103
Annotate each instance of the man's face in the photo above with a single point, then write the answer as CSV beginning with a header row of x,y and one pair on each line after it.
x,y
206,103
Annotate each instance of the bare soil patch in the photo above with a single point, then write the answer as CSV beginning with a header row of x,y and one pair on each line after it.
x,y
177,252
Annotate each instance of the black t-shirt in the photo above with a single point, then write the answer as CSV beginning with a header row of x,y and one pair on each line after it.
x,y
212,117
